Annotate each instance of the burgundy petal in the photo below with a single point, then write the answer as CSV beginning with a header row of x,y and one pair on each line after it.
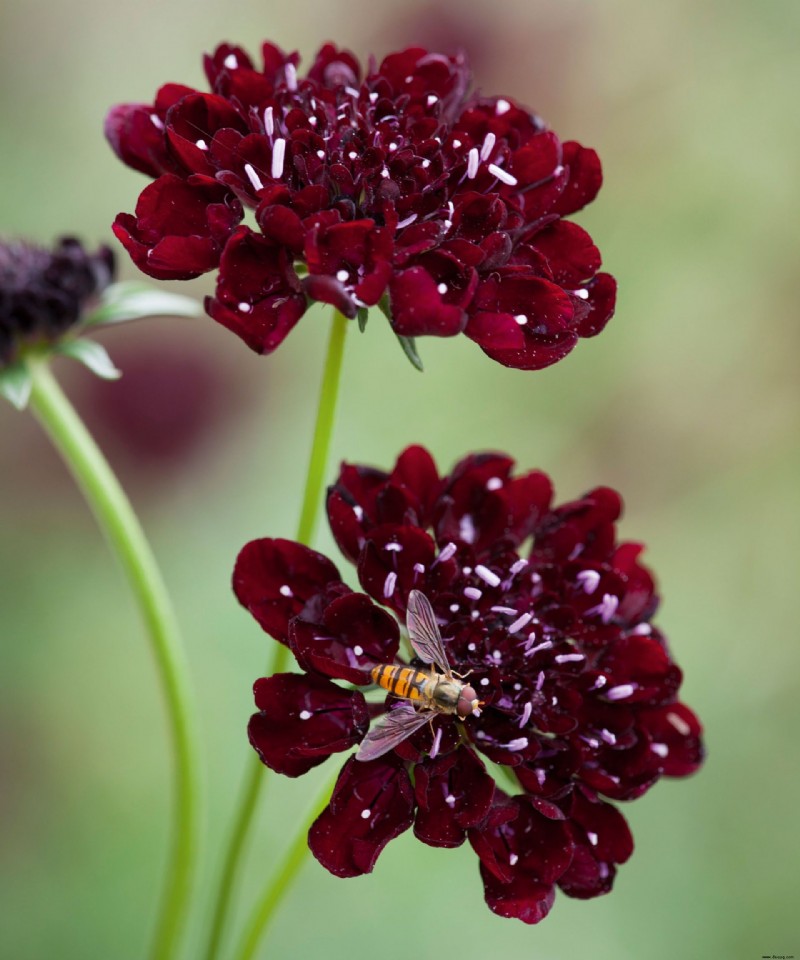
x,y
303,720
274,579
372,804
522,898
454,792
676,734
418,307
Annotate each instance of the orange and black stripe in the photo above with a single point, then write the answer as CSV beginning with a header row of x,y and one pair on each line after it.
x,y
402,681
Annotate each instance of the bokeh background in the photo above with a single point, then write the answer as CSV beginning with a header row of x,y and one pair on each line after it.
x,y
687,403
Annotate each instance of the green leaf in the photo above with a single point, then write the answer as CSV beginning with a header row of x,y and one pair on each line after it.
x,y
410,350
363,316
16,383
133,301
92,355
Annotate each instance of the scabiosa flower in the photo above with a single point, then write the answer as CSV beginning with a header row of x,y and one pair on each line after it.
x,y
550,618
43,292
394,186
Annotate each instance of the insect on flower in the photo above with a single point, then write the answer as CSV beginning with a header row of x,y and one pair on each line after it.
x,y
428,693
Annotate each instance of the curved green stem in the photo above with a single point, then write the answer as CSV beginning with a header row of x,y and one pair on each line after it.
x,y
255,774
119,523
279,885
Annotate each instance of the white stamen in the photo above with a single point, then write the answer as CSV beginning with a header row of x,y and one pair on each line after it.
x,y
253,177
358,650
521,319
425,164
517,566
305,714
373,97
385,173
245,307
594,744
342,276
540,775
278,153
512,859
473,162
366,814
321,154
642,630
466,571
432,98
407,222
453,608
419,568
501,107
568,657
456,144
352,91
660,749
442,288
606,608
466,529
450,800
602,869
436,743
520,622
540,681
358,512
389,584
589,579
542,646
473,593
503,175
592,838
445,553
231,62
621,692
471,647
608,737
494,483
496,655
487,575
312,121
581,294
269,121
680,724
527,710
286,591
202,144
488,146
601,681
475,614
485,682
517,686
156,121
507,610
519,744
291,76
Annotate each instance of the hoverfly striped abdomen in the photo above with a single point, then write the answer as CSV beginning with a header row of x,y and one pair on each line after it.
x,y
405,682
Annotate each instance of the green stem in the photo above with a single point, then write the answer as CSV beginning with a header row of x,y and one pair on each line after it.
x,y
255,774
282,879
119,523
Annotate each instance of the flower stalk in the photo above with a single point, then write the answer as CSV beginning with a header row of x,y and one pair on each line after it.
x,y
255,775
121,527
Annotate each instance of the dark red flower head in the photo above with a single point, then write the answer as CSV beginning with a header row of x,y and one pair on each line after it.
x,y
549,617
393,185
44,292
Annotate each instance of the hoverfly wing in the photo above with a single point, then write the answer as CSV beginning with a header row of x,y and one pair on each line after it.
x,y
423,631
392,729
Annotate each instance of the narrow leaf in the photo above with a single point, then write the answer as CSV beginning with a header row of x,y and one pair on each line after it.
x,y
410,350
92,355
15,384
363,316
133,301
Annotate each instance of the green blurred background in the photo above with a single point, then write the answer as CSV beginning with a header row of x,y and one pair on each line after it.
x,y
687,403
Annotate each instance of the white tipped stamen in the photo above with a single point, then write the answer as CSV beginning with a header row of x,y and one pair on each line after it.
x,y
359,513
407,222
321,154
466,529
373,97
269,121
592,838
473,161
286,591
385,173
389,584
545,645
475,614
660,749
501,107
450,800
642,630
540,775
466,571
485,682
305,714
253,177
507,610
245,307
366,814
156,121
568,658
607,737
425,164
488,146
494,483
456,143
201,144
487,575
606,608
512,859
517,566
445,553
521,319
358,650
540,681
471,647
278,154
621,692
352,91
521,622
680,724
453,608
503,175
291,76
473,593
589,579
441,289
581,294
436,743
231,62
601,681
432,98
527,710
515,745
419,568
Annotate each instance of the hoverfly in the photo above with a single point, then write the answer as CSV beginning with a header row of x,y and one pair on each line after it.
x,y
428,693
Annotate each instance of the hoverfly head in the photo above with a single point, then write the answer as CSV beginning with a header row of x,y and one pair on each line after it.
x,y
468,703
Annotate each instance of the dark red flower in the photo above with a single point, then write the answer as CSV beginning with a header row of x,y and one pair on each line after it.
x,y
43,292
394,186
549,616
